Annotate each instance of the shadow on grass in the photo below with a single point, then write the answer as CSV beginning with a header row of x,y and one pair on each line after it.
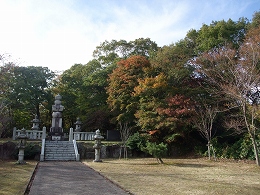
x,y
190,165
127,163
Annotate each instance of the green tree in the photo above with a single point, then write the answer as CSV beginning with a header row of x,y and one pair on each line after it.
x,y
156,150
255,20
221,33
111,52
28,89
83,88
70,86
6,71
95,96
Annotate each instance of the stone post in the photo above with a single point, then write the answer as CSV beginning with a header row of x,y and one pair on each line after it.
x,y
43,132
71,134
97,145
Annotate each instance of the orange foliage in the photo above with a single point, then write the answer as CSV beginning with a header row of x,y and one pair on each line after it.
x,y
152,132
158,82
178,106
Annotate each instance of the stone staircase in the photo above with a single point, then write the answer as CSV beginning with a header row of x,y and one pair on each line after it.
x,y
59,151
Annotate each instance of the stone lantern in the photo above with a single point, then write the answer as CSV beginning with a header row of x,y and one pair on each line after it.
x,y
97,146
78,124
21,146
36,122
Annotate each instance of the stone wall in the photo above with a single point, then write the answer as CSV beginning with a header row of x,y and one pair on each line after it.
x,y
8,151
112,151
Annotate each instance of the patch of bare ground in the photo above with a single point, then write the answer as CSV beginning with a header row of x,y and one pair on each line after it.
x,y
181,176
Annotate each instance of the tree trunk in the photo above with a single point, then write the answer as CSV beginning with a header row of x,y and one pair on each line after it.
x,y
160,160
209,150
37,107
256,151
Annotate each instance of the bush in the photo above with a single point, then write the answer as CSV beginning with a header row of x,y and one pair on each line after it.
x,y
32,151
241,149
136,141
156,150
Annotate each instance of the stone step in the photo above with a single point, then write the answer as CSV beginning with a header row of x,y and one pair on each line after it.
x,y
50,157
56,144
60,146
59,155
60,158
65,147
59,151
61,143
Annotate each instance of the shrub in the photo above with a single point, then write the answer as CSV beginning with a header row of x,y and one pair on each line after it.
x,y
156,150
136,141
31,151
240,149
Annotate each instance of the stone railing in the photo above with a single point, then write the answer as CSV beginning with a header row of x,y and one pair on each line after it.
x,y
81,136
76,150
31,134
42,150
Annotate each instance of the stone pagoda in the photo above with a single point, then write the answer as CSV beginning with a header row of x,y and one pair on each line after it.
x,y
56,130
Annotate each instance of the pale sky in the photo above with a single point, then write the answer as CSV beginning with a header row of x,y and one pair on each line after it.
x,y
59,33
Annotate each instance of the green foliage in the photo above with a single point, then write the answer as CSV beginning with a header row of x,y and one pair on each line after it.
x,y
136,141
156,150
83,90
108,53
31,151
172,137
221,33
22,119
30,86
255,20
240,149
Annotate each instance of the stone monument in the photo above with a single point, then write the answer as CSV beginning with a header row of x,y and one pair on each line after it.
x,y
56,131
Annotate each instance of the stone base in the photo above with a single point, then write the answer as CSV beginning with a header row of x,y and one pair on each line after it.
x,y
97,161
21,162
56,137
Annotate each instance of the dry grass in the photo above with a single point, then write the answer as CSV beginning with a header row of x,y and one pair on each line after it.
x,y
14,178
181,176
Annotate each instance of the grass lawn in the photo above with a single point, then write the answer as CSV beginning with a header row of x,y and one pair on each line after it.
x,y
14,178
181,176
